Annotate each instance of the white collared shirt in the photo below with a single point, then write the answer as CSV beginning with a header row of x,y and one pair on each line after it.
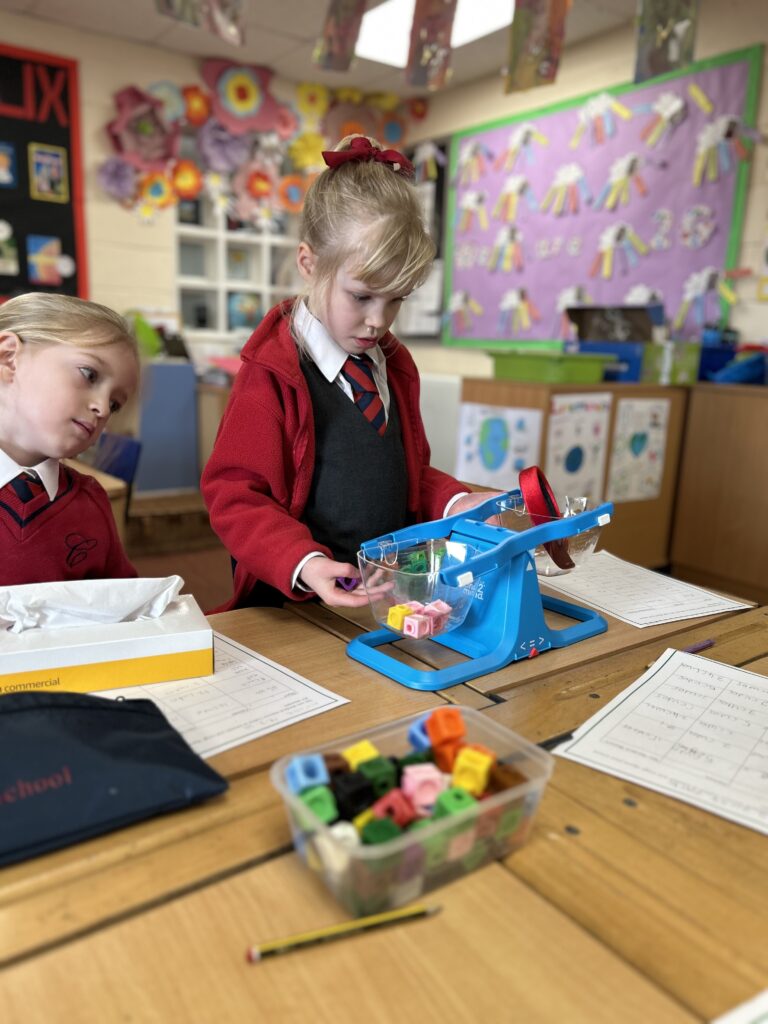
x,y
329,357
48,471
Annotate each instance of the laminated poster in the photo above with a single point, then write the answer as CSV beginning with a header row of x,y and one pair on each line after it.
x,y
495,443
576,445
639,442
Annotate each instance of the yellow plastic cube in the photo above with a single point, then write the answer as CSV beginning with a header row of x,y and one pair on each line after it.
x,y
396,616
362,819
359,752
470,770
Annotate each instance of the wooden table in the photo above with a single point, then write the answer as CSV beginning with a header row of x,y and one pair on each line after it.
x,y
624,906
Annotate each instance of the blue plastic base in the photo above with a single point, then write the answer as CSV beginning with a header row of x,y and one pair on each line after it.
x,y
365,649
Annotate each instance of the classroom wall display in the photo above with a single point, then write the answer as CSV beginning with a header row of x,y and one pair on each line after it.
x,y
42,242
626,196
636,466
577,441
495,443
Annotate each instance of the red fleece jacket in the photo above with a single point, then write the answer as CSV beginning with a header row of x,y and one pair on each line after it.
x,y
257,480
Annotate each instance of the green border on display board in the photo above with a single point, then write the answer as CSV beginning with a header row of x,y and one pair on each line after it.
x,y
752,55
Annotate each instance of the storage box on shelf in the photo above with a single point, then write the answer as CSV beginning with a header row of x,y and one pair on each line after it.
x,y
227,276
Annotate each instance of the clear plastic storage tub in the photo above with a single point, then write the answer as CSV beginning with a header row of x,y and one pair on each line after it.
x,y
370,878
514,516
405,591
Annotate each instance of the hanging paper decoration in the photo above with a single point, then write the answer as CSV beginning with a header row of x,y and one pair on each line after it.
x,y
535,43
616,191
507,251
568,186
473,162
461,308
139,134
701,292
515,188
520,142
517,312
719,146
618,239
429,53
472,205
667,112
426,158
567,298
197,105
335,48
597,115
241,98
223,18
665,35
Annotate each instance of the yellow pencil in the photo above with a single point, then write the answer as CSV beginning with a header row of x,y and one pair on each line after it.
x,y
337,931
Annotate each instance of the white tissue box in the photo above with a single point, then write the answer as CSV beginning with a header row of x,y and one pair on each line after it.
x,y
176,645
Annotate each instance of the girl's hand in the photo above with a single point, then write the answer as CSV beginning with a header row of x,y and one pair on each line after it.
x,y
320,574
469,501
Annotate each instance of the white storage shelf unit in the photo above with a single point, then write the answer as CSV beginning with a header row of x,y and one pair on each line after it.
x,y
224,275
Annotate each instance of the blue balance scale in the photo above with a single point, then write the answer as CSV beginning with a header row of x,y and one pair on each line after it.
x,y
504,620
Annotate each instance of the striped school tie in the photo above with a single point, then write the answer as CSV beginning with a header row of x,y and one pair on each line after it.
x,y
27,486
358,372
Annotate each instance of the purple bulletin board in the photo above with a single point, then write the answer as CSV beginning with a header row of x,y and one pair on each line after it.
x,y
632,195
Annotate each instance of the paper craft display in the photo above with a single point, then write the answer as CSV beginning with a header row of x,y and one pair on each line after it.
x,y
8,173
507,250
535,43
495,443
577,437
43,255
429,52
606,182
665,36
701,294
636,466
427,157
691,728
517,312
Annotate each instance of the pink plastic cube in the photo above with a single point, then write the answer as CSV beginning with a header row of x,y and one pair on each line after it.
x,y
422,784
441,607
417,625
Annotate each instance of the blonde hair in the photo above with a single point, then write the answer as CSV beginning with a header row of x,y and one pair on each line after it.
x,y
367,216
50,319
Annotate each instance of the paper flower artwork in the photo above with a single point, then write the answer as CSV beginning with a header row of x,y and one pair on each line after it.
x,y
187,179
240,94
461,308
220,149
312,101
507,251
568,186
290,191
517,312
618,243
119,179
473,162
349,119
197,105
597,118
306,151
720,145
520,143
515,188
426,159
701,294
667,112
139,134
172,99
623,172
471,206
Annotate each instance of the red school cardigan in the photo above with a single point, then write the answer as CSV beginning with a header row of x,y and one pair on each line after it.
x,y
257,480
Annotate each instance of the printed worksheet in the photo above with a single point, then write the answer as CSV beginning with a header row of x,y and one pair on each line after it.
x,y
689,727
638,596
246,697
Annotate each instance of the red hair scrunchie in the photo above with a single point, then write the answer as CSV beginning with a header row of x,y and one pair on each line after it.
x,y
360,150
